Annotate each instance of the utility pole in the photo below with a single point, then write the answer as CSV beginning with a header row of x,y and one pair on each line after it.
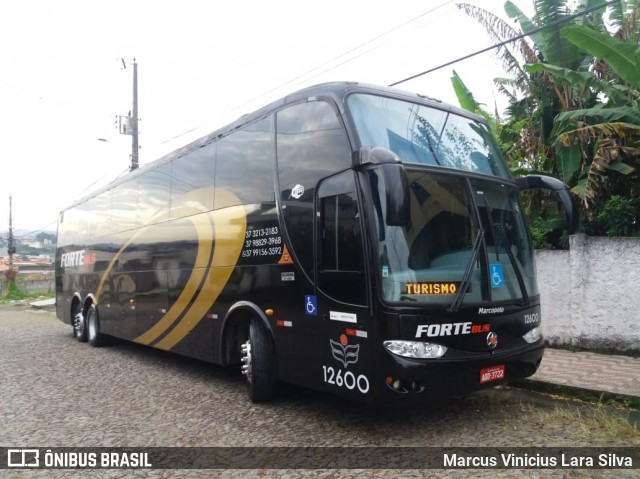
x,y
134,137
129,125
11,249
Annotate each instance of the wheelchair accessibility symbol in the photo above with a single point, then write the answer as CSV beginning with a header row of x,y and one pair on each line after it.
x,y
311,304
497,276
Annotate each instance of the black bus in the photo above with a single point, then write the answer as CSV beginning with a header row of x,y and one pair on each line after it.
x,y
349,238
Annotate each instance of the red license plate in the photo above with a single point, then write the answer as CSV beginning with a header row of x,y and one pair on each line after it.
x,y
492,374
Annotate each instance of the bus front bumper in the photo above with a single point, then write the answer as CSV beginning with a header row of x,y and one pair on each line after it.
x,y
402,380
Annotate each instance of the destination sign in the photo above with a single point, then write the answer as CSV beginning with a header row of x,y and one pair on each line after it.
x,y
433,287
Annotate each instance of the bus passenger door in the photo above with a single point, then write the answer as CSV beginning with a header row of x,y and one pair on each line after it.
x,y
342,287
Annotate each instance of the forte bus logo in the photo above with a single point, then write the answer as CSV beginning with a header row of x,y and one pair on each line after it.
x,y
77,258
451,329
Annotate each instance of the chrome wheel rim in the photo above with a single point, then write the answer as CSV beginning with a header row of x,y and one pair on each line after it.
x,y
93,327
246,360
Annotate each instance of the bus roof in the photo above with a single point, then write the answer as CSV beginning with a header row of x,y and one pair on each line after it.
x,y
338,91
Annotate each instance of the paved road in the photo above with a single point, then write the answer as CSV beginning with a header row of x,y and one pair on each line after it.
x,y
55,391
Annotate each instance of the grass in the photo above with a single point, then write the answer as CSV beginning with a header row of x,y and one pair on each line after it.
x,y
562,416
634,353
15,293
596,419
592,397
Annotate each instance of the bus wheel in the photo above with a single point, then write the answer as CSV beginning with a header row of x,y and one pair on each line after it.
x,y
95,337
258,366
80,327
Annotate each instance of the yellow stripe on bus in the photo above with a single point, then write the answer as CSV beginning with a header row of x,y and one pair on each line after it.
x,y
230,228
205,235
115,258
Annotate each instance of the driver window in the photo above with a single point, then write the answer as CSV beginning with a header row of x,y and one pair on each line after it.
x,y
340,242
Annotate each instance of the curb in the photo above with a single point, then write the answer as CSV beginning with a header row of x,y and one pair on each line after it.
x,y
583,394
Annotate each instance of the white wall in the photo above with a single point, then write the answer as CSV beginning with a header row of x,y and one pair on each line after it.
x,y
591,294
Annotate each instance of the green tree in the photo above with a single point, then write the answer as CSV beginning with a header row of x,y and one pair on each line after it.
x,y
573,97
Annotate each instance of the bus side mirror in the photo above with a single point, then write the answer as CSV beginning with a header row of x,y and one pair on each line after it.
x,y
396,183
562,192
397,189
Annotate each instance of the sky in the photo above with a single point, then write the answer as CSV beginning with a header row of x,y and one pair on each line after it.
x,y
201,64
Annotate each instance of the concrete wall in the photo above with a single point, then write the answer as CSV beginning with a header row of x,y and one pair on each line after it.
x,y
38,286
591,294
29,285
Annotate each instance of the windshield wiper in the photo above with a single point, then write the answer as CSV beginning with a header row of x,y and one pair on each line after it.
x,y
457,301
512,259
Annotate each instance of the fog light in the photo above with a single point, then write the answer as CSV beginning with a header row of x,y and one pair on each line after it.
x,y
415,349
533,335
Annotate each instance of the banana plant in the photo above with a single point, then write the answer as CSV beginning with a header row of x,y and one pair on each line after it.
x,y
576,99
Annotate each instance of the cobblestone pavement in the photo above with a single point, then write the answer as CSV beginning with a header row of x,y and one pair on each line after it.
x,y
55,391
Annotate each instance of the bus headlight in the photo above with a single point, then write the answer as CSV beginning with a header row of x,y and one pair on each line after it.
x,y
415,349
533,335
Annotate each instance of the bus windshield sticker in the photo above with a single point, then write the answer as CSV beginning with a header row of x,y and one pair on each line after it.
x,y
297,191
338,316
385,271
432,287
343,351
311,304
497,275
288,276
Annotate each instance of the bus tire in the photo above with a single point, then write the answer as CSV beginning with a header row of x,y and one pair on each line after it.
x,y
80,326
94,336
259,365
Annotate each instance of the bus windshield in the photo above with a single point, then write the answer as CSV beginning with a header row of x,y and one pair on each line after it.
x,y
421,134
464,234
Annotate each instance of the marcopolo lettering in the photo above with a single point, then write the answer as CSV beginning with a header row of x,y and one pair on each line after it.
x,y
450,329
496,310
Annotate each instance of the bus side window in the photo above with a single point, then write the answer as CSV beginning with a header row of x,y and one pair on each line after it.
x,y
244,166
341,262
192,179
311,144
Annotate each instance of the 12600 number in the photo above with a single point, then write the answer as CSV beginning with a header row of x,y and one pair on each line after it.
x,y
345,379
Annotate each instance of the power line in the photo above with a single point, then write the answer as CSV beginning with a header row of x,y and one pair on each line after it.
x,y
36,231
510,40
342,55
328,62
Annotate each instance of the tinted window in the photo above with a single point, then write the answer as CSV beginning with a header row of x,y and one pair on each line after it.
x,y
123,207
340,240
244,166
68,233
154,195
340,233
192,178
421,134
311,145
100,208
